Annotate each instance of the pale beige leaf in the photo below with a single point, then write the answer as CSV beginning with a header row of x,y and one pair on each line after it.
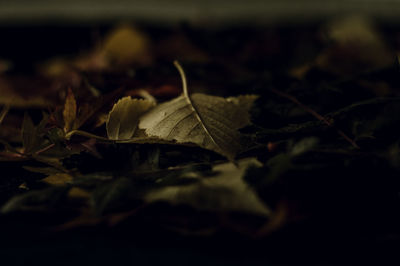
x,y
123,119
227,191
209,121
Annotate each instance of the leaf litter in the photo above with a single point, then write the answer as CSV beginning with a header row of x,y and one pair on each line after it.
x,y
308,141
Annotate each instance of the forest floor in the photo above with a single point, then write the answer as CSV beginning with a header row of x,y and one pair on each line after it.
x,y
283,147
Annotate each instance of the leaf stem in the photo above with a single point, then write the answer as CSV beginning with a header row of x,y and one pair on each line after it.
x,y
45,149
85,134
183,77
190,103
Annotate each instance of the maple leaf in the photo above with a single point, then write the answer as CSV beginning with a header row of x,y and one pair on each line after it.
x,y
32,136
211,122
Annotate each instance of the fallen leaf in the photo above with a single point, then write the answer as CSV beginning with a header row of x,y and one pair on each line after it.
x,y
126,45
227,191
42,170
209,121
58,179
34,200
32,136
78,193
356,47
28,133
22,92
110,195
23,186
123,118
69,113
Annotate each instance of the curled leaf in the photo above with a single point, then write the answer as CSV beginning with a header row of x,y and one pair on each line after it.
x,y
123,118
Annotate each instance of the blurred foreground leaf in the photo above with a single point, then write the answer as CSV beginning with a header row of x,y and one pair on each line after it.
x,y
224,192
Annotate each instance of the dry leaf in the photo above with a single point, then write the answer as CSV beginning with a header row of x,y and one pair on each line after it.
x,y
23,186
34,200
356,46
31,139
209,121
69,113
20,93
126,45
123,118
58,179
78,193
227,191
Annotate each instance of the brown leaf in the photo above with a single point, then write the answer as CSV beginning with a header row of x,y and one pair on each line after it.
x,y
58,179
69,113
21,91
78,193
29,138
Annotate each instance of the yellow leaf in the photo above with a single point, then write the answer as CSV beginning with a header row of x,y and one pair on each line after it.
x,y
355,46
59,179
78,193
69,112
126,45
123,119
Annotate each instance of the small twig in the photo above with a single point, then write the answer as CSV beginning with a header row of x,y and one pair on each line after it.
x,y
45,149
315,114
